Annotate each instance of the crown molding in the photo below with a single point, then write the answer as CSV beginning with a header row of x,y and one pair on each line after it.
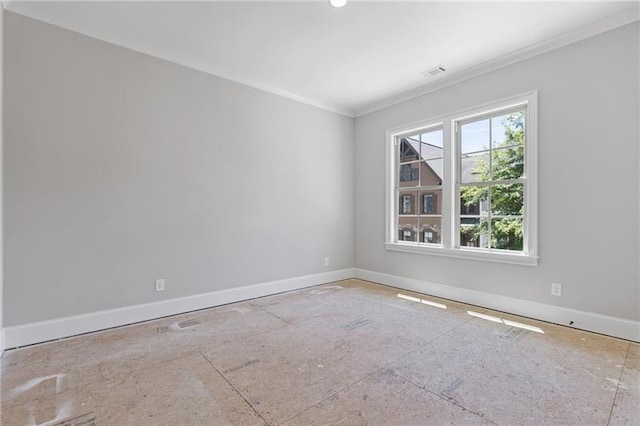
x,y
283,93
614,21
215,73
610,23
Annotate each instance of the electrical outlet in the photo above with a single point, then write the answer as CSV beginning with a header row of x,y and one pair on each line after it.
x,y
160,285
327,261
556,289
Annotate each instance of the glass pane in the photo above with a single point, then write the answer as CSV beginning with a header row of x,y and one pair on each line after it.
x,y
407,228
474,167
474,233
409,150
432,145
507,200
409,175
473,201
498,131
431,172
507,233
507,129
474,136
507,163
430,230
407,203
430,202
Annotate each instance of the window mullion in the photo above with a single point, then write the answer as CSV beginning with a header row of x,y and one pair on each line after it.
x,y
456,165
448,189
489,206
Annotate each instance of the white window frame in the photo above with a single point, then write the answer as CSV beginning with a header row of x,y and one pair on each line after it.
x,y
449,246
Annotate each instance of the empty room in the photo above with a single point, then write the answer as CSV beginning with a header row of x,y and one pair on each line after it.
x,y
320,213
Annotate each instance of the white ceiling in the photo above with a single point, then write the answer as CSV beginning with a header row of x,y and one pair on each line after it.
x,y
350,60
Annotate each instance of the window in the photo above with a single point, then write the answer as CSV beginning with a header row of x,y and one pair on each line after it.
x,y
491,176
465,184
428,237
428,205
408,173
406,204
422,154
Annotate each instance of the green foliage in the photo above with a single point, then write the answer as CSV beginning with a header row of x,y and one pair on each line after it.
x,y
506,234
507,163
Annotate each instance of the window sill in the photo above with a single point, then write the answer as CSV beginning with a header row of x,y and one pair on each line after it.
x,y
464,253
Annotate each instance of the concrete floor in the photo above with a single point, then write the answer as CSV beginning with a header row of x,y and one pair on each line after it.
x,y
345,353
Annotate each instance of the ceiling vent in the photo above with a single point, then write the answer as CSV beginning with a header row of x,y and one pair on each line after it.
x,y
434,71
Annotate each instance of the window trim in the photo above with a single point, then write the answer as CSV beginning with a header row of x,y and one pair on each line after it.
x,y
449,246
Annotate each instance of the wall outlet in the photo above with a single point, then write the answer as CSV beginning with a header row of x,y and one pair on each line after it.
x,y
327,261
556,289
160,285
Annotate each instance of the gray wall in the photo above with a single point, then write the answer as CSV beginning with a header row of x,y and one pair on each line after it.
x,y
121,168
588,178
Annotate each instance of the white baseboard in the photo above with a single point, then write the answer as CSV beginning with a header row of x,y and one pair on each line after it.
x,y
603,324
43,331
21,335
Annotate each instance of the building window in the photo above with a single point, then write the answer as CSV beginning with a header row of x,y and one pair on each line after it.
x,y
407,234
406,204
429,203
466,185
408,173
429,237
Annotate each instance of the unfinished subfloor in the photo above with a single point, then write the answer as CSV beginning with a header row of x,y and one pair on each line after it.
x,y
351,352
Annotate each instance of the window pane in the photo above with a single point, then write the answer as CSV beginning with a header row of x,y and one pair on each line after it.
x,y
507,233
507,200
432,145
474,136
475,233
473,201
407,229
409,150
431,172
407,203
430,230
430,202
507,163
409,175
507,129
474,167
